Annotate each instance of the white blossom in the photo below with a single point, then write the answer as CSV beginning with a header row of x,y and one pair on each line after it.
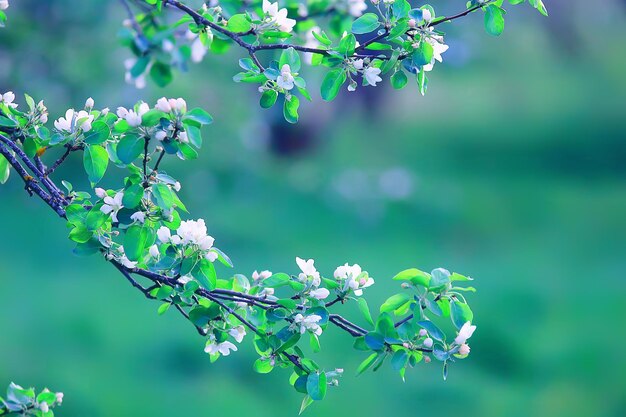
x,y
211,256
308,270
183,138
285,79
224,348
59,397
436,41
198,51
356,278
140,80
278,17
467,330
178,104
112,205
358,64
4,4
138,216
164,234
260,276
303,323
176,186
238,333
43,406
154,251
132,117
371,75
356,7
163,104
127,262
160,135
8,98
74,120
320,293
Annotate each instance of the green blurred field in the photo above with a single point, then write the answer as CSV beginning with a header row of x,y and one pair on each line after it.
x,y
516,164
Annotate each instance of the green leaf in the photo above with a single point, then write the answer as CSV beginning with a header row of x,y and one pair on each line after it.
x,y
363,307
399,359
263,365
394,302
423,54
95,161
277,280
198,115
365,24
538,4
332,83
206,275
306,401
76,214
439,278
314,343
432,329
290,109
135,242
290,57
98,134
80,234
268,98
129,148
316,386
239,23
152,117
161,74
163,308
7,122
375,341
414,275
367,363
5,170
201,315
132,196
95,219
163,195
461,313
399,80
494,20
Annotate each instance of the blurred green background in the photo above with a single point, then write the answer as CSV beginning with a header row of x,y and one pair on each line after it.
x,y
511,170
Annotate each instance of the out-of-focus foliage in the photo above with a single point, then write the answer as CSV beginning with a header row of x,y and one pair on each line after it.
x,y
511,170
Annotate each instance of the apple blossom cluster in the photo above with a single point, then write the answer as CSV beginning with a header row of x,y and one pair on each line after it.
x,y
141,226
366,43
21,401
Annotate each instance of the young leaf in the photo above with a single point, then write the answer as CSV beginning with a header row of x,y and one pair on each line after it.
x,y
95,161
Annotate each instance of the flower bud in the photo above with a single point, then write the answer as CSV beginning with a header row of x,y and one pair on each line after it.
x,y
164,105
464,349
44,407
89,103
423,332
412,23
427,15
160,135
428,342
427,359
100,192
